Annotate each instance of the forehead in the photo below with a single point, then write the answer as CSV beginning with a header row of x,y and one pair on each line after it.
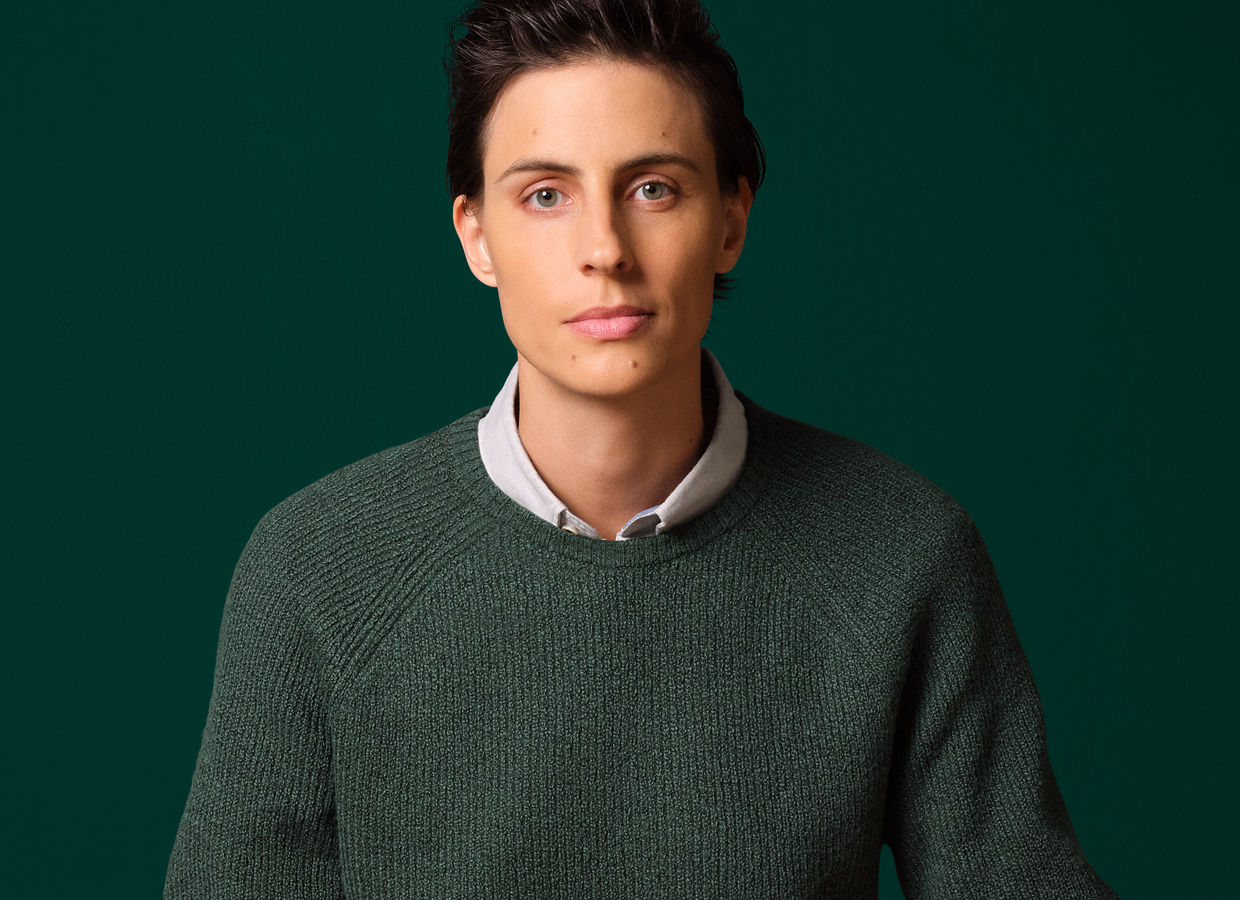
x,y
598,111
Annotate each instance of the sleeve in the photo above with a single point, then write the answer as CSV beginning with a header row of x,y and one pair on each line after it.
x,y
260,819
973,809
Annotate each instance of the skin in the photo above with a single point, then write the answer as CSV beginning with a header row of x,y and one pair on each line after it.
x,y
600,191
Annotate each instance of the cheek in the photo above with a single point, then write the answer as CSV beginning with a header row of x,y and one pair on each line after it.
x,y
530,260
685,254
518,303
522,283
517,279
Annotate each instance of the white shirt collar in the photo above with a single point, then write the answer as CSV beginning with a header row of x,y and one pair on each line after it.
x,y
715,472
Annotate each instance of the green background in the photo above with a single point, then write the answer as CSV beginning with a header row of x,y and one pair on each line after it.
x,y
998,241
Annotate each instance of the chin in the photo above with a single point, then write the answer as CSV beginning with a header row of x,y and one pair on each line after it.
x,y
615,373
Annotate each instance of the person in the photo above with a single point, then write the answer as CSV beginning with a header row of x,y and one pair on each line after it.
x,y
622,633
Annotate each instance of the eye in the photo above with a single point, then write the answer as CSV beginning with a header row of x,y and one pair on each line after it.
x,y
546,198
654,190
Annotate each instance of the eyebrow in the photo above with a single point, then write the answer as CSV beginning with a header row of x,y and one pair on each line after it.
x,y
650,159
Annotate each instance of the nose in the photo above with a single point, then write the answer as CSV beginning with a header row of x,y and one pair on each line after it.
x,y
604,246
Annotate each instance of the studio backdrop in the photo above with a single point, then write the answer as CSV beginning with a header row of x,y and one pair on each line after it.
x,y
996,241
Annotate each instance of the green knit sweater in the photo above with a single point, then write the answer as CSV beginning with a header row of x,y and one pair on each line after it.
x,y
423,690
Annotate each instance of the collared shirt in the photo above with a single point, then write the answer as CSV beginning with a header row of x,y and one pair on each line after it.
x,y
716,470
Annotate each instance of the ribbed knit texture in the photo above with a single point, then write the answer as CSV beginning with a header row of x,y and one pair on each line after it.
x,y
423,690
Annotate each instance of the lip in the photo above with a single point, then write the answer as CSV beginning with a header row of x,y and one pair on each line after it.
x,y
610,323
608,312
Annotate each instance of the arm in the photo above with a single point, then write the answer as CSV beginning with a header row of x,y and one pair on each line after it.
x,y
260,820
973,808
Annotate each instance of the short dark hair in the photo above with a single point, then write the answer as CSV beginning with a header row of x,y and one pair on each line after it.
x,y
495,40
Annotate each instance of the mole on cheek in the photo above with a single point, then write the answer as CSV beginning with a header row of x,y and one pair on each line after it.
x,y
573,357
633,363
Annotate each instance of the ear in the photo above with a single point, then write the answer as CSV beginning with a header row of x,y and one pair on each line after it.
x,y
736,206
469,229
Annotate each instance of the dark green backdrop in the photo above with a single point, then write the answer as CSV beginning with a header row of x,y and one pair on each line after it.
x,y
998,241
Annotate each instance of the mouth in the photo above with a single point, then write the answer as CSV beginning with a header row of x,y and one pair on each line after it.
x,y
608,312
610,323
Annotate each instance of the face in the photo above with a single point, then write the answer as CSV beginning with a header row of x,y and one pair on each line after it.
x,y
602,225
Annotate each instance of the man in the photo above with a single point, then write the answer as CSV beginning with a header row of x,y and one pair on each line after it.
x,y
624,633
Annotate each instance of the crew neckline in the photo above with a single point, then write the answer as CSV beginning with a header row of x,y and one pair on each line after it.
x,y
515,521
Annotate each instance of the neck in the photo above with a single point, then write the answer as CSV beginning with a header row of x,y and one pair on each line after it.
x,y
608,458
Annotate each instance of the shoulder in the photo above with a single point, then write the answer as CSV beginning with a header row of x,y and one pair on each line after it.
x,y
397,492
351,529
341,555
851,520
829,478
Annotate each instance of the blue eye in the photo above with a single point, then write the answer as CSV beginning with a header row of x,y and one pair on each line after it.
x,y
654,190
546,198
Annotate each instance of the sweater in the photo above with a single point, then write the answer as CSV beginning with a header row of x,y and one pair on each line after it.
x,y
423,690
